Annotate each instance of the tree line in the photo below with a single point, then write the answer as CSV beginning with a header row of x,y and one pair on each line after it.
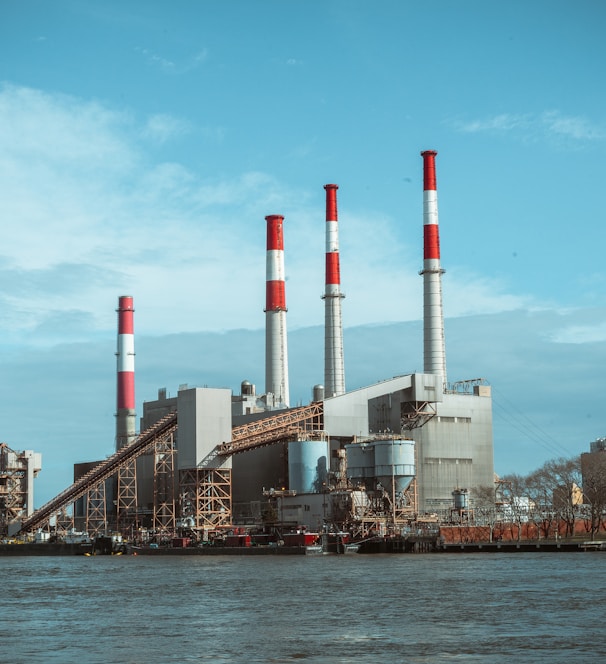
x,y
557,497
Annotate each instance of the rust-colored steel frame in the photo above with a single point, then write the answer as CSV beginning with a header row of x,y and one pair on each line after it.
x,y
206,497
142,444
164,514
126,498
159,439
96,513
415,414
13,487
65,520
273,429
373,516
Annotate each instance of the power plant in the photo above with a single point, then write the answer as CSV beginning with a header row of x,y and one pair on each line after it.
x,y
385,459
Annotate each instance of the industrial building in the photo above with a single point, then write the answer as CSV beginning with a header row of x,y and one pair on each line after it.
x,y
17,473
371,460
593,470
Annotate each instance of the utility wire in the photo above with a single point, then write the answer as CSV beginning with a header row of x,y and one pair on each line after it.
x,y
516,418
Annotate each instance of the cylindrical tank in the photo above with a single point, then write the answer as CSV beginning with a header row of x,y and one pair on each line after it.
x,y
307,465
247,389
360,461
394,463
461,499
318,393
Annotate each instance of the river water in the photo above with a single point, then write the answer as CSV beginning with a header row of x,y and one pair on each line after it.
x,y
502,607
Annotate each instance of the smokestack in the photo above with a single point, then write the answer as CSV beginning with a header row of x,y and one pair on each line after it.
x,y
433,319
334,367
125,416
276,353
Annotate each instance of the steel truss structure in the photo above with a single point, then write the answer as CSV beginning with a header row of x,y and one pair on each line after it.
x,y
164,514
285,426
13,489
103,471
65,521
206,497
207,490
377,514
126,497
96,510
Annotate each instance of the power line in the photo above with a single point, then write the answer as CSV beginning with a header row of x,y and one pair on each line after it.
x,y
516,419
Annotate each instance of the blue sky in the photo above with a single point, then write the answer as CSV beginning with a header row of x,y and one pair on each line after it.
x,y
142,144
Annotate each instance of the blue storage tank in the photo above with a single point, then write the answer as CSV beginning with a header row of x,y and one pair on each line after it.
x,y
360,461
307,465
394,463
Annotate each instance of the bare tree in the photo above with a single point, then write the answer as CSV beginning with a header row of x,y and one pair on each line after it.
x,y
515,504
565,476
594,489
483,501
539,485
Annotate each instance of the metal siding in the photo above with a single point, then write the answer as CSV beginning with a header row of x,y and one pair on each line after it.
x,y
204,422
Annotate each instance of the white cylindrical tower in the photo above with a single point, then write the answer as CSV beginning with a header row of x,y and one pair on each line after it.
x,y
334,366
125,414
433,319
276,353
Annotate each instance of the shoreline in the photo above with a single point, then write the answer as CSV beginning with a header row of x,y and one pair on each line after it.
x,y
369,547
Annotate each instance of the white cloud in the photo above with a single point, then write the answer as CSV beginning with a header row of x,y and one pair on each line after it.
x,y
574,127
163,127
52,130
93,216
552,124
501,122
580,334
156,60
200,57
467,294
173,66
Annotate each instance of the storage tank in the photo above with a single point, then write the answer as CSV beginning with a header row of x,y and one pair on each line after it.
x,y
360,461
307,465
461,499
394,462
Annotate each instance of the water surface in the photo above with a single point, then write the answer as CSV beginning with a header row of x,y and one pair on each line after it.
x,y
502,607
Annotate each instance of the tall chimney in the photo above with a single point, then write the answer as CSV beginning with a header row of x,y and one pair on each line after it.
x,y
334,367
276,353
125,415
433,318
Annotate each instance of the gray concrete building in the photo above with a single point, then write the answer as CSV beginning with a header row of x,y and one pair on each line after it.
x,y
452,431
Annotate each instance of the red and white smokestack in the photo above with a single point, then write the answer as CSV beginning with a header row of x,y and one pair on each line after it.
x,y
125,416
276,353
433,319
334,366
